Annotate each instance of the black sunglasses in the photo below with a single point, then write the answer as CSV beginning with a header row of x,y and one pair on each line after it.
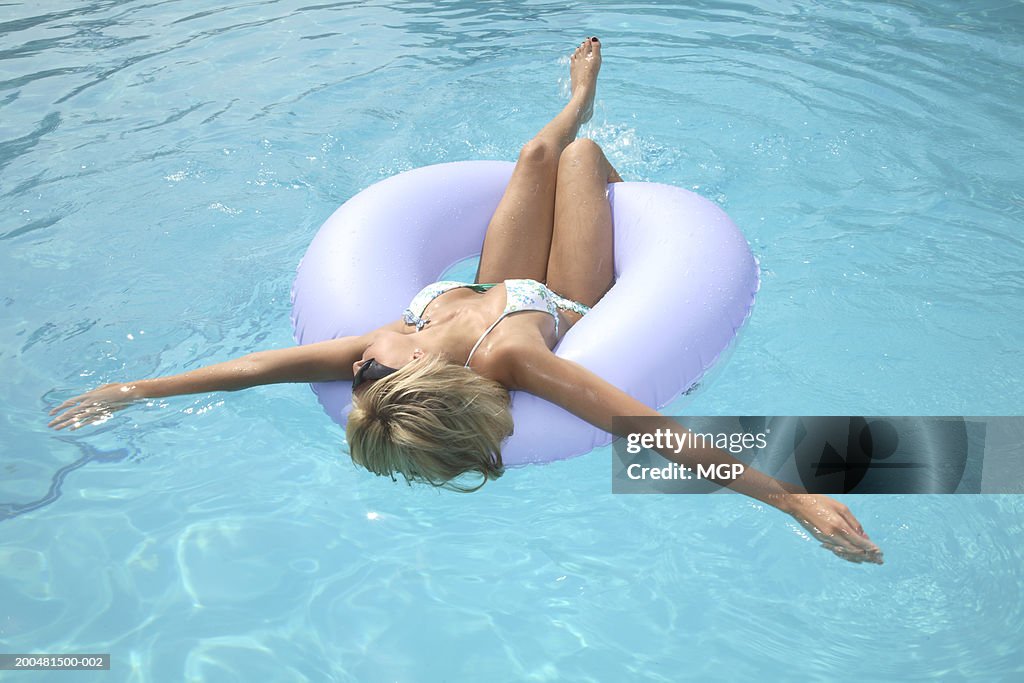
x,y
371,370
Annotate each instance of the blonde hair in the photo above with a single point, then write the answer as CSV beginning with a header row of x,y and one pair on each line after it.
x,y
432,421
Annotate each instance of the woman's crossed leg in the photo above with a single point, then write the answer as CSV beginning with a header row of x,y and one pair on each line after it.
x,y
519,235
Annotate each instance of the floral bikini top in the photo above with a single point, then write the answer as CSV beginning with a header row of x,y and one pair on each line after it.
x,y
522,295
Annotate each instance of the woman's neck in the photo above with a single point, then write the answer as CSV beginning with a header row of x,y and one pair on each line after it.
x,y
451,334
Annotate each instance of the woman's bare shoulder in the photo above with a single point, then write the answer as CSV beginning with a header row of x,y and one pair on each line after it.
x,y
505,361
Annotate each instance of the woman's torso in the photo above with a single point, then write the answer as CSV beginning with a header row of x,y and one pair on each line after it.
x,y
469,314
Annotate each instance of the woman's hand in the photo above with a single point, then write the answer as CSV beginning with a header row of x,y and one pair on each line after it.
x,y
94,406
834,525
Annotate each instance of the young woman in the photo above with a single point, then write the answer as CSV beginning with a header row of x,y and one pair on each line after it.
x,y
430,389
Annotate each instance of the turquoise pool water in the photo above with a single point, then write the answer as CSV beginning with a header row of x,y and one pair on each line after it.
x,y
163,166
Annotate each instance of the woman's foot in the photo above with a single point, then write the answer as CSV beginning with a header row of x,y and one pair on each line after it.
x,y
584,64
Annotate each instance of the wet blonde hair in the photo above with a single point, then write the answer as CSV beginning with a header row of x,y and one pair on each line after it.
x,y
431,421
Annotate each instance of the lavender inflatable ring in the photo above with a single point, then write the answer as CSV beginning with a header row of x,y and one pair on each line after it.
x,y
685,283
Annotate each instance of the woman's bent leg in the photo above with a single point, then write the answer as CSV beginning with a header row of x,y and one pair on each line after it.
x,y
581,266
518,239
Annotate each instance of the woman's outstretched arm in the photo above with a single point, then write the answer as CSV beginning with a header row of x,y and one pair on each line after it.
x,y
323,362
589,397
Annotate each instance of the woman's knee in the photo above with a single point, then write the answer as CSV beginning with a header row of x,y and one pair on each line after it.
x,y
582,150
539,152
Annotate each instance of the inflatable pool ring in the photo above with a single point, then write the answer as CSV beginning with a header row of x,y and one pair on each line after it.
x,y
685,284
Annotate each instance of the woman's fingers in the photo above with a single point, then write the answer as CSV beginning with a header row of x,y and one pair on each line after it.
x,y
62,417
75,408
837,529
66,404
70,417
91,407
857,558
850,545
79,421
91,397
80,416
847,539
868,553
861,542
59,421
854,534
845,513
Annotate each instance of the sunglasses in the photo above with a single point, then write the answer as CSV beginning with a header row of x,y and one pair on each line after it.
x,y
371,370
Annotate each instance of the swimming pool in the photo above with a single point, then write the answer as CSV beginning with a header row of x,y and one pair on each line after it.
x,y
164,165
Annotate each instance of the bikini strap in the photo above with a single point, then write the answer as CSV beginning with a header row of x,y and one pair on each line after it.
x,y
500,318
